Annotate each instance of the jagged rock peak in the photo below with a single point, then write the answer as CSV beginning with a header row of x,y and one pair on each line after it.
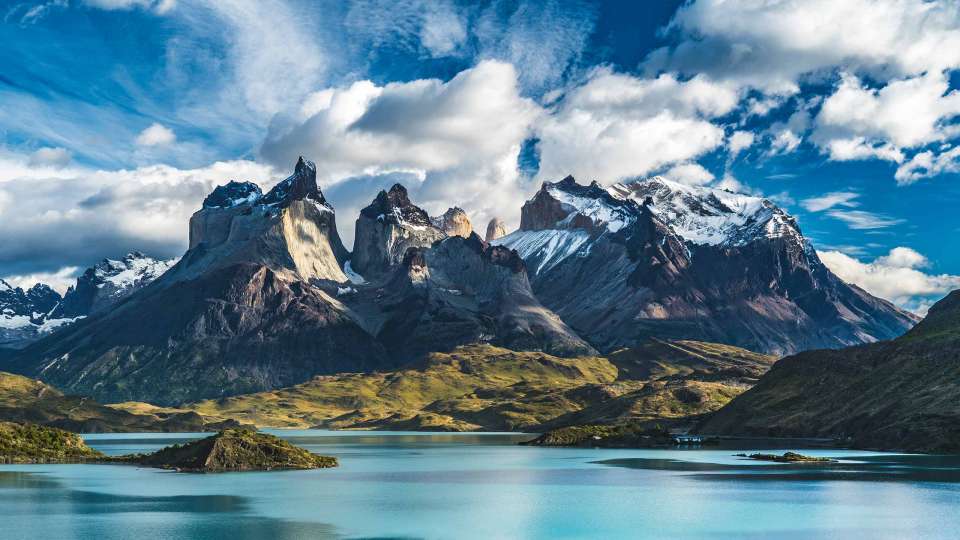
x,y
495,229
394,207
233,194
569,205
301,185
454,222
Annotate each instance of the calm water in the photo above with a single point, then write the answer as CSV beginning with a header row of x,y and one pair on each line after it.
x,y
414,485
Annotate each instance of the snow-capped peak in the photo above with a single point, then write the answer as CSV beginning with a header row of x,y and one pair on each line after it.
x,y
133,269
703,215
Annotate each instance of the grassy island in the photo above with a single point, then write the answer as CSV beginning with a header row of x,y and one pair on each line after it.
x,y
787,457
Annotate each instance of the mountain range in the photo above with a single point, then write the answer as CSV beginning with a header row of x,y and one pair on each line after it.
x,y
25,316
267,296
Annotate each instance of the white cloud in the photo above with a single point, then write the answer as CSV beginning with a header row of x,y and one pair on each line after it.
x,y
77,216
156,135
863,220
692,174
617,126
51,157
829,200
740,141
462,137
857,122
897,276
927,163
770,45
159,6
443,30
58,280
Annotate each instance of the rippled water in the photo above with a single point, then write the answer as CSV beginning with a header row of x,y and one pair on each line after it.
x,y
415,485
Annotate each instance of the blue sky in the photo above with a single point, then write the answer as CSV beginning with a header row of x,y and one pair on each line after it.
x,y
117,116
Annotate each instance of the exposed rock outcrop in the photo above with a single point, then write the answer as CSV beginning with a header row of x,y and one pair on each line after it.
x,y
386,228
461,291
495,229
454,222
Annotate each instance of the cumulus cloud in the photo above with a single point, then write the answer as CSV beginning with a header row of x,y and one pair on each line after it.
x,y
156,135
898,276
857,122
829,200
692,174
927,163
75,217
771,45
462,137
740,141
616,126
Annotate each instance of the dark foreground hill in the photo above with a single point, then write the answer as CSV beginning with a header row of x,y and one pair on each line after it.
x,y
902,394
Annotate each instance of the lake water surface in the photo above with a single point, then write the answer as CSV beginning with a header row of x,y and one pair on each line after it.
x,y
416,485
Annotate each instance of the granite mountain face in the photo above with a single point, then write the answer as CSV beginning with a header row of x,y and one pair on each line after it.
x,y
267,296
654,258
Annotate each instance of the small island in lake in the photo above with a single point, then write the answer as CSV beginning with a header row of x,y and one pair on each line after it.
x,y
787,457
235,450
228,450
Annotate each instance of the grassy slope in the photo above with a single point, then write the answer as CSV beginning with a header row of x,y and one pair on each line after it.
x,y
902,394
488,388
26,443
27,400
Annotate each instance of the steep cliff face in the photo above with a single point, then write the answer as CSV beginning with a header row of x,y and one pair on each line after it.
x,y
292,230
386,228
895,395
454,222
463,291
495,229
241,311
658,259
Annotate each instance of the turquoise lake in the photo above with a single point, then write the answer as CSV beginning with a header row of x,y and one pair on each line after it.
x,y
416,485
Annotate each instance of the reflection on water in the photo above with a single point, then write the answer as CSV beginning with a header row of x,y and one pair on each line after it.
x,y
415,485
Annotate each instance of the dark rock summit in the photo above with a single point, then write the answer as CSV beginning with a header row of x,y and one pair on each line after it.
x,y
462,291
232,194
386,228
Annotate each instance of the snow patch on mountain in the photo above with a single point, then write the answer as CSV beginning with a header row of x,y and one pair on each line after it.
x,y
708,216
545,248
601,213
134,269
